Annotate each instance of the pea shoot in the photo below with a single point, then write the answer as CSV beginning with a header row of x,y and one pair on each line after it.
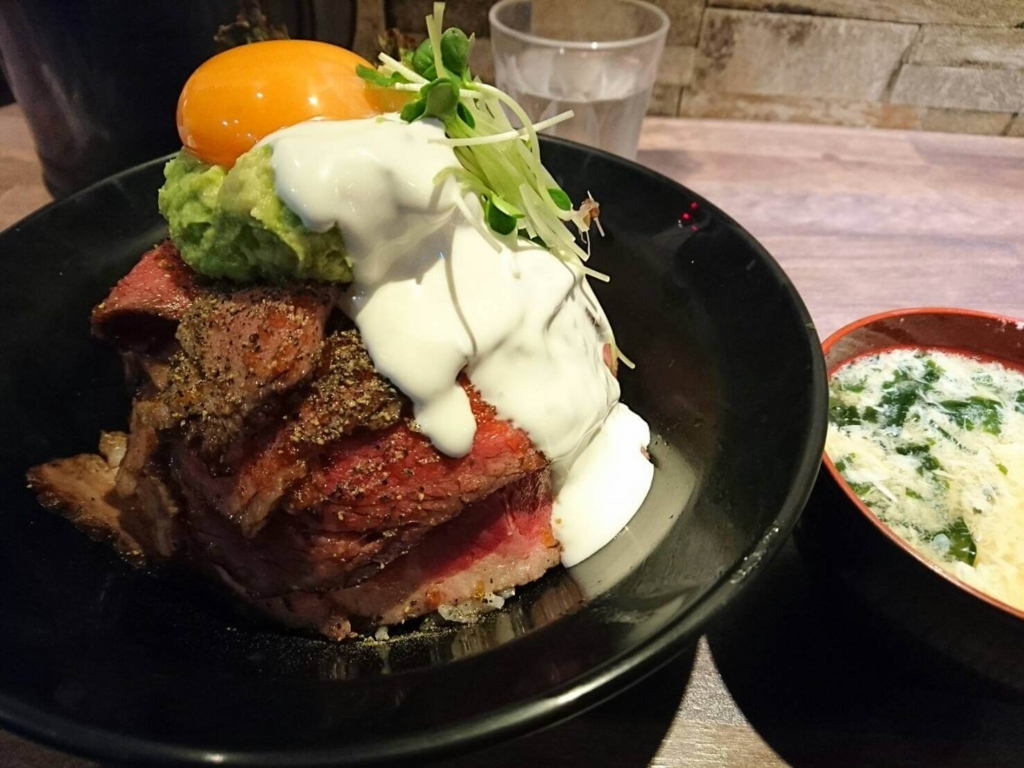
x,y
500,163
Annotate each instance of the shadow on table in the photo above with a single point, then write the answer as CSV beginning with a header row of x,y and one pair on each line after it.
x,y
625,732
823,691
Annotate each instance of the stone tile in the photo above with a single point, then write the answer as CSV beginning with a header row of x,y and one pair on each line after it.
x,y
789,109
996,13
795,109
992,90
468,15
807,56
676,66
951,46
684,20
664,100
964,121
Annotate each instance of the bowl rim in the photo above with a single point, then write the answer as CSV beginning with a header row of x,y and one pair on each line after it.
x,y
851,495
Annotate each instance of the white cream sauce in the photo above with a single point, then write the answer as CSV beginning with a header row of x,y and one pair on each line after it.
x,y
604,486
433,298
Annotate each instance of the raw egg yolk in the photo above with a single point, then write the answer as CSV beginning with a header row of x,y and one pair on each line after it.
x,y
239,96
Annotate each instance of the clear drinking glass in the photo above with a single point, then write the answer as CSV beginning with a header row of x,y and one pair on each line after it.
x,y
598,58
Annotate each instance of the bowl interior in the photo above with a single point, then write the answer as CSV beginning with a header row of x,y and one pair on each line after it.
x,y
975,334
113,661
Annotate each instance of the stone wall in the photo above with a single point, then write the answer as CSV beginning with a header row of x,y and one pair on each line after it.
x,y
939,65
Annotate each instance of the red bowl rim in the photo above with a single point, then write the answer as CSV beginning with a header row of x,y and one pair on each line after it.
x,y
855,499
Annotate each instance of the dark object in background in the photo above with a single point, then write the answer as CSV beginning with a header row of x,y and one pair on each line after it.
x,y
468,15
730,376
250,26
921,609
6,97
99,79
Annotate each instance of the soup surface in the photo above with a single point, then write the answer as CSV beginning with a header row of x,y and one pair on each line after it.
x,y
933,444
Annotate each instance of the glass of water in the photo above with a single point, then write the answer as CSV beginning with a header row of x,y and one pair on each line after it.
x,y
598,58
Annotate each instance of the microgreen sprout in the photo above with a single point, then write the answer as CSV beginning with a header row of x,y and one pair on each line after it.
x,y
501,164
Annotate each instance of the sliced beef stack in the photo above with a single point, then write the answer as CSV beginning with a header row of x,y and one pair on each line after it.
x,y
264,447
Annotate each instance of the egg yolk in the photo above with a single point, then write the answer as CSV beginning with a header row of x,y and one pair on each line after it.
x,y
239,96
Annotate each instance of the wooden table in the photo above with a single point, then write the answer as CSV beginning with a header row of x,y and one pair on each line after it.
x,y
862,221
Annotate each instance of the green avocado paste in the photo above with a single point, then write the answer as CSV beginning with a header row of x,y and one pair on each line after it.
x,y
231,224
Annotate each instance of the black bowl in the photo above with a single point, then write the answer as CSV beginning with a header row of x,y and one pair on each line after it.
x,y
948,631
112,662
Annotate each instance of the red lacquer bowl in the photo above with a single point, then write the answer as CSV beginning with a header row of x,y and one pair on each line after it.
x,y
925,607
